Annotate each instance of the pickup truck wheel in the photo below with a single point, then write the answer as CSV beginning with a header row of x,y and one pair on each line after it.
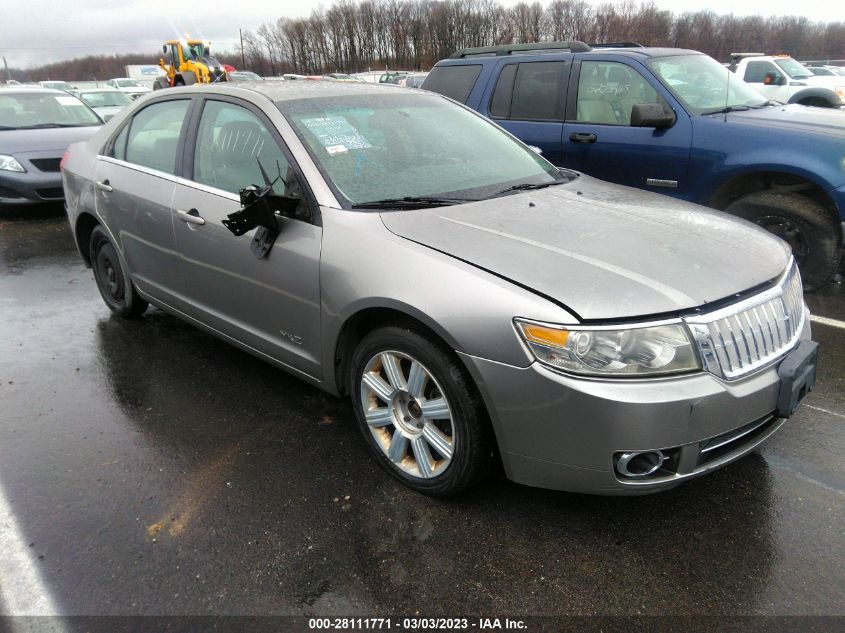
x,y
112,281
419,411
811,231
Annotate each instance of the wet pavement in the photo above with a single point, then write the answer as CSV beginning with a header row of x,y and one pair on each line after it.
x,y
152,469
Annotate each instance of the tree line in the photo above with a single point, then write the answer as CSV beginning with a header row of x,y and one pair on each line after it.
x,y
352,36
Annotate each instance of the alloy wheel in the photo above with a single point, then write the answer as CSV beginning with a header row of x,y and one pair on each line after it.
x,y
408,414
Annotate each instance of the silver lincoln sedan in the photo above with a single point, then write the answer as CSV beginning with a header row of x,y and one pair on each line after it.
x,y
476,304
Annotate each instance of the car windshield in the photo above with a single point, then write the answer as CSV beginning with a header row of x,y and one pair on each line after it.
x,y
703,85
793,68
105,99
390,146
128,83
34,110
822,72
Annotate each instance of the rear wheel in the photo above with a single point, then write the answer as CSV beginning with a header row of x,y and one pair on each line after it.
x,y
419,411
112,281
810,229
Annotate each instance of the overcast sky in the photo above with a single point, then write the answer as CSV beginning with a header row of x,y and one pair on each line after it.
x,y
33,32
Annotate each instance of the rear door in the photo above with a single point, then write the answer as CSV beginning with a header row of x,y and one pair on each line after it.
x,y
599,140
135,183
271,304
528,100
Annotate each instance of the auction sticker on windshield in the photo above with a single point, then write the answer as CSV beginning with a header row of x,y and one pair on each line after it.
x,y
336,134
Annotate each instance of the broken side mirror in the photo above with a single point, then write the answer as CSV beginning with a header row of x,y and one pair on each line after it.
x,y
655,115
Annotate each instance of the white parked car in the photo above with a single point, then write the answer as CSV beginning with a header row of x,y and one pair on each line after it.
x,y
106,102
131,87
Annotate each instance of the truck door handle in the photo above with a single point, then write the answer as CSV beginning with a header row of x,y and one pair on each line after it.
x,y
583,137
103,185
191,217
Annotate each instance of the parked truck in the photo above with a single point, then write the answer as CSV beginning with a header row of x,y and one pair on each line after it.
x,y
781,78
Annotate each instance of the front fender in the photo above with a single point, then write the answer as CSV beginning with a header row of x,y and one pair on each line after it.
x,y
364,266
816,92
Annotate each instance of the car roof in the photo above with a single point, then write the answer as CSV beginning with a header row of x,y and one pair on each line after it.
x,y
34,90
540,53
280,91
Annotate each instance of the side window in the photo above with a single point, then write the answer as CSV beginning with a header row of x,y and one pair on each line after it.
x,y
154,135
755,72
537,91
500,103
118,148
233,146
455,82
608,90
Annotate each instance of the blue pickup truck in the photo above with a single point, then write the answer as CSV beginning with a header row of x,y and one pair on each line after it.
x,y
673,121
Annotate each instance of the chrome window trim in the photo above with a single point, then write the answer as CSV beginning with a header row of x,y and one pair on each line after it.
x,y
140,168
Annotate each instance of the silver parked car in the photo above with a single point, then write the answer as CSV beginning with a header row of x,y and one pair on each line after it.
x,y
474,302
36,126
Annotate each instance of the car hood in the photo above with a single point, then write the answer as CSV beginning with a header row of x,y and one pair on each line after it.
x,y
45,139
604,251
823,121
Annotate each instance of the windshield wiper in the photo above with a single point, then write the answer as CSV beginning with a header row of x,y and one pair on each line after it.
x,y
730,108
528,187
411,202
38,126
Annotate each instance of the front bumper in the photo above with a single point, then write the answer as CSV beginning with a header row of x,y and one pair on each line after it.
x,y
30,187
561,432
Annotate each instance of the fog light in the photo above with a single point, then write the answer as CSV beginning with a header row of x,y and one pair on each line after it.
x,y
639,464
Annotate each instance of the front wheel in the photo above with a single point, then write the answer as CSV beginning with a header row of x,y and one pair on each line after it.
x,y
419,411
112,281
810,229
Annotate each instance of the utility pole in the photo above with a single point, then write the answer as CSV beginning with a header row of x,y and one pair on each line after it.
x,y
6,68
243,59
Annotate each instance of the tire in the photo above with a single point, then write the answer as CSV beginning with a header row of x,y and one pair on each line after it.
x,y
410,423
807,226
112,280
179,81
160,84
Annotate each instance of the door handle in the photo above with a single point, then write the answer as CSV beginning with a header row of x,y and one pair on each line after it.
x,y
191,217
103,185
583,137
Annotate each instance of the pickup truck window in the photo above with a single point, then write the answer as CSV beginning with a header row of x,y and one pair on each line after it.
x,y
793,69
608,90
755,72
455,82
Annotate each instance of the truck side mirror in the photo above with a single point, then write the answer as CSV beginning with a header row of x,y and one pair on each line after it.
x,y
164,49
773,79
654,115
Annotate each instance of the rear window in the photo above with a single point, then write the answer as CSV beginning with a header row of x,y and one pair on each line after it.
x,y
455,82
529,91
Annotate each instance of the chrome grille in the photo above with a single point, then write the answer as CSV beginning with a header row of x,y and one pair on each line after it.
x,y
748,335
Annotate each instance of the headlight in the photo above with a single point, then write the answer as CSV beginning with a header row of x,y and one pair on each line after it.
x,y
612,351
10,163
840,91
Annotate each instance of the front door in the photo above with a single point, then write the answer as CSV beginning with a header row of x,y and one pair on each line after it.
x,y
599,140
271,304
